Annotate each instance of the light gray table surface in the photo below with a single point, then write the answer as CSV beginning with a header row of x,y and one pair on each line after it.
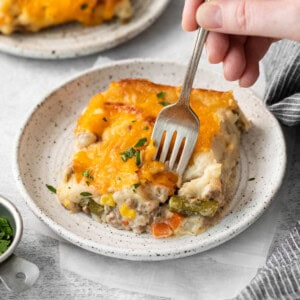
x,y
23,84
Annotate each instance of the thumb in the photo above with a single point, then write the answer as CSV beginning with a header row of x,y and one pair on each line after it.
x,y
268,18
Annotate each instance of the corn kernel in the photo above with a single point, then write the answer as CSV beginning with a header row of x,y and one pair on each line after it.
x,y
107,199
127,212
66,203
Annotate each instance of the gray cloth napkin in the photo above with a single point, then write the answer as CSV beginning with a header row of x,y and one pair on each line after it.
x,y
282,67
280,277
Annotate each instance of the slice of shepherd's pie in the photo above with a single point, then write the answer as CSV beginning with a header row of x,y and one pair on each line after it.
x,y
112,174
34,15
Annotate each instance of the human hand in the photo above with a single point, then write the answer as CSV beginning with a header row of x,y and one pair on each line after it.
x,y
241,31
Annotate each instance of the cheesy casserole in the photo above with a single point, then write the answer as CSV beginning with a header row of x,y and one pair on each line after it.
x,y
33,15
112,174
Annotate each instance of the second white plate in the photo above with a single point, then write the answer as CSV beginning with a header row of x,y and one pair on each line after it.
x,y
45,144
75,40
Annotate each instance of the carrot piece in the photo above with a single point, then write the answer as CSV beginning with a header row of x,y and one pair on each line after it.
x,y
125,222
174,221
161,230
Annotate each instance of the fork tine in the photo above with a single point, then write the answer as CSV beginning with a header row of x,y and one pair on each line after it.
x,y
175,150
166,145
186,154
157,135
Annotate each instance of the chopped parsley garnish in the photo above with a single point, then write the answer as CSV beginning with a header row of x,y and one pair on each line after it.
x,y
251,179
132,152
138,158
141,142
161,95
83,6
146,128
136,185
124,157
86,173
87,183
104,119
51,188
164,103
6,235
85,194
133,121
129,153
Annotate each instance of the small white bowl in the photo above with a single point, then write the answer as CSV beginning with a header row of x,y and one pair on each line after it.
x,y
10,212
16,273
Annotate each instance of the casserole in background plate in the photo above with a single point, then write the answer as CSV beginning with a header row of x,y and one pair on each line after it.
x,y
33,16
73,40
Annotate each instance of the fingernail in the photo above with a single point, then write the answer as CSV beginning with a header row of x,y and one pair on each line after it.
x,y
209,16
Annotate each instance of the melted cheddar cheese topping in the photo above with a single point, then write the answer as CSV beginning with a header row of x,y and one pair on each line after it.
x,y
36,14
122,118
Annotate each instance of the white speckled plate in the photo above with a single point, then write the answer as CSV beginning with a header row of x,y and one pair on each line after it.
x,y
45,143
75,40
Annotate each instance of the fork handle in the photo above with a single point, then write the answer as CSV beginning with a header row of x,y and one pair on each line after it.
x,y
192,67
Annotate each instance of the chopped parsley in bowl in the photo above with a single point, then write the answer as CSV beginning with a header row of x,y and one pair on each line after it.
x,y
11,228
6,235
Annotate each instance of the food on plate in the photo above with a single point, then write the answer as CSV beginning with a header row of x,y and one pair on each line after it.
x,y
112,175
6,235
34,15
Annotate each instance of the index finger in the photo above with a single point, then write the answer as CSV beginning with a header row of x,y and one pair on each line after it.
x,y
189,22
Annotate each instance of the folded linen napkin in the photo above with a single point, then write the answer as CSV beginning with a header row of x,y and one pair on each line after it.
x,y
280,277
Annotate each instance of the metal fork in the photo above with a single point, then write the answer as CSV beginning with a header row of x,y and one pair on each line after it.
x,y
177,127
